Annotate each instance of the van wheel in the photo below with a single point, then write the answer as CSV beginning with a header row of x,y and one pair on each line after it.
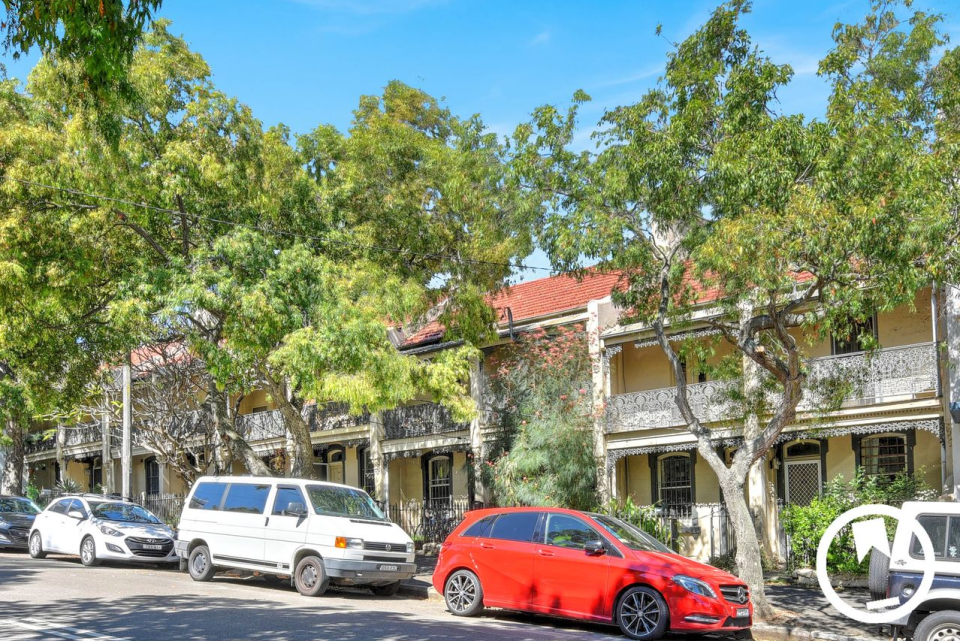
x,y
879,574
389,589
642,614
941,626
463,594
88,552
36,546
311,579
200,564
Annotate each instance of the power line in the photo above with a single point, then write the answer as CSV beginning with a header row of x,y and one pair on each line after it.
x,y
280,232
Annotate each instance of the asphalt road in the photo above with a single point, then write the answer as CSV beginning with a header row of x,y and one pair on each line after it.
x,y
57,598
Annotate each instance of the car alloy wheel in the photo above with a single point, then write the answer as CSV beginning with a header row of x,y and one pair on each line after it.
x,y
88,552
642,614
463,593
36,546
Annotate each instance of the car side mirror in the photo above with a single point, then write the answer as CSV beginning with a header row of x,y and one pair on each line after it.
x,y
76,514
594,548
295,508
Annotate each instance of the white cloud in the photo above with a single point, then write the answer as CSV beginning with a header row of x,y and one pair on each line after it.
x,y
646,73
541,39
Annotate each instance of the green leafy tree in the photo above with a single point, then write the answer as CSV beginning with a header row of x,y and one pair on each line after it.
x,y
797,224
546,420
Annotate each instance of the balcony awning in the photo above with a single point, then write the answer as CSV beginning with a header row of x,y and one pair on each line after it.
x,y
417,452
932,425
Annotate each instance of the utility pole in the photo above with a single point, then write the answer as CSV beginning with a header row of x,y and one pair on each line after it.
x,y
126,449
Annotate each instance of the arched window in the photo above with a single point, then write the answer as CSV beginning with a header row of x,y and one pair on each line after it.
x,y
803,449
884,455
152,471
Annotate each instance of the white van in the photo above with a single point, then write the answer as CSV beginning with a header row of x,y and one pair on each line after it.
x,y
317,533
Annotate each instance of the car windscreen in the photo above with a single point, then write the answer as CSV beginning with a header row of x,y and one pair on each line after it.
x,y
332,500
18,506
631,536
123,513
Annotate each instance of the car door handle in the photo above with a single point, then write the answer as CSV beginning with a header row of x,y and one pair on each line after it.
x,y
544,552
487,546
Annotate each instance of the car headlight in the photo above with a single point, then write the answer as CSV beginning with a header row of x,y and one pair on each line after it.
x,y
410,548
696,586
109,531
349,544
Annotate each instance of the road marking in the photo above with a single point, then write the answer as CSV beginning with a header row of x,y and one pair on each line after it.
x,y
62,631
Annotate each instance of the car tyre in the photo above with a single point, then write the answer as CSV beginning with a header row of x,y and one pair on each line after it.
x,y
88,552
463,594
642,614
879,574
311,578
389,589
36,546
939,626
200,564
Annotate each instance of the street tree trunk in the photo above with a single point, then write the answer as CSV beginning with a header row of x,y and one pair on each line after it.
x,y
15,458
238,446
298,430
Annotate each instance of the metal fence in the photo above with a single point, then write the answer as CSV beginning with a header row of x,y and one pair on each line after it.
x,y
166,507
430,521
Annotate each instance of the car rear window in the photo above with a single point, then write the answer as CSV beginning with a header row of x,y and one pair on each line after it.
x,y
481,528
515,526
208,496
944,533
247,498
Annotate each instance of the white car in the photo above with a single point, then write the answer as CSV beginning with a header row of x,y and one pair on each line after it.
x,y
98,528
314,532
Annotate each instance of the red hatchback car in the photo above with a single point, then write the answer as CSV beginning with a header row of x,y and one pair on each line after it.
x,y
584,566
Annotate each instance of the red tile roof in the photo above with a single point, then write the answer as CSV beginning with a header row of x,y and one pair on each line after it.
x,y
541,297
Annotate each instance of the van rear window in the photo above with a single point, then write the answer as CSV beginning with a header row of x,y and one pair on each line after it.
x,y
246,498
207,496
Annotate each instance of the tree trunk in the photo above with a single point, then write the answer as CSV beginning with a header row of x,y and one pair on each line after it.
x,y
299,438
237,445
14,461
749,564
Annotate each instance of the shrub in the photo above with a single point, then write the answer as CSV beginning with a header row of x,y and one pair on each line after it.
x,y
806,524
644,517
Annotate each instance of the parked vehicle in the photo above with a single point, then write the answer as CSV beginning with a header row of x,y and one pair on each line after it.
x,y
584,566
937,615
16,519
99,528
314,532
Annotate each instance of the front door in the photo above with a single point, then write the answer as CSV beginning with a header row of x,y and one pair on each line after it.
x,y
284,534
568,581
804,481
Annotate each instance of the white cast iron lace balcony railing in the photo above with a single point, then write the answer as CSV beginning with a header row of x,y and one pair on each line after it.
x,y
896,373
419,420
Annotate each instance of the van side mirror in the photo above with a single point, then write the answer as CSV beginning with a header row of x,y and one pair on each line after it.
x,y
76,514
295,508
594,548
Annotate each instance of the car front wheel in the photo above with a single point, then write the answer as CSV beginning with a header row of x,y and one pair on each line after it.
x,y
463,594
36,546
940,626
88,552
311,579
200,565
642,614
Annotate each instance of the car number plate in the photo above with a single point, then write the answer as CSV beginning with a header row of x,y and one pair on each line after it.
x,y
743,612
388,568
152,547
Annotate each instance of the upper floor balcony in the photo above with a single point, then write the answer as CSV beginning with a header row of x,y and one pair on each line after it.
x,y
425,419
884,376
83,434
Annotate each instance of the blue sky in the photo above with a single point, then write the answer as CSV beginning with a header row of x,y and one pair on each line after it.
x,y
306,62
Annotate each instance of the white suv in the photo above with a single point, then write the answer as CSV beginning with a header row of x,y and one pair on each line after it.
x,y
98,528
317,533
